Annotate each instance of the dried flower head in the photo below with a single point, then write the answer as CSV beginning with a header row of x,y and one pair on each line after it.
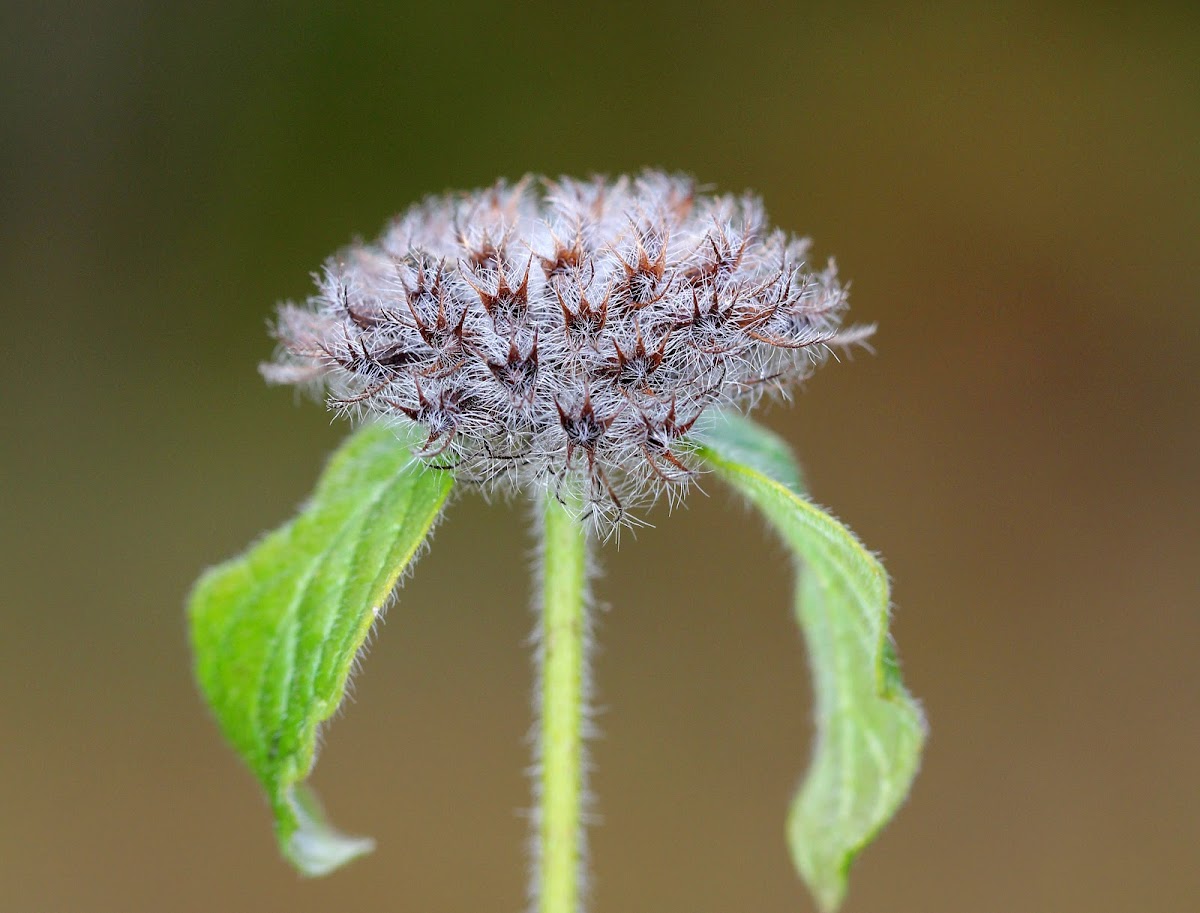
x,y
565,335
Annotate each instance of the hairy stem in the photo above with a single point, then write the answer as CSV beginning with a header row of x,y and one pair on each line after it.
x,y
564,642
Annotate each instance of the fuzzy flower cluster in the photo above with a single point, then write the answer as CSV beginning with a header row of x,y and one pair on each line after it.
x,y
565,334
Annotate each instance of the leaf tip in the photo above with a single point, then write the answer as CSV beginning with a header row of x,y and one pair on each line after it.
x,y
830,896
823,866
310,843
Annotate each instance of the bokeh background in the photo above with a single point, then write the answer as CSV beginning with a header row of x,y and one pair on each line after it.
x,y
1013,189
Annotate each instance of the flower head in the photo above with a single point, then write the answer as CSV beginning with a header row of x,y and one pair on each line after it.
x,y
565,334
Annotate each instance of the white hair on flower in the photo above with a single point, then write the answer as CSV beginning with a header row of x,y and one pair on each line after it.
x,y
565,334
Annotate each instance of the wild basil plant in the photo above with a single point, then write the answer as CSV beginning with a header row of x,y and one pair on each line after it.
x,y
593,346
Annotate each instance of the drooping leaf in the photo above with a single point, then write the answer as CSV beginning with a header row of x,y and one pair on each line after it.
x,y
869,730
276,630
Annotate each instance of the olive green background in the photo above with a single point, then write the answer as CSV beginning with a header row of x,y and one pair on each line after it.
x,y
1015,192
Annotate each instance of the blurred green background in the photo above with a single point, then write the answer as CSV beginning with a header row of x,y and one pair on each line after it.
x,y
1015,192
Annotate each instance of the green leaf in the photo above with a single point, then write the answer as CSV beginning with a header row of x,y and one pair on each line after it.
x,y
869,730
275,632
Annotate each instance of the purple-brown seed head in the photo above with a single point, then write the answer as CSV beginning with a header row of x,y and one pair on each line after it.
x,y
565,335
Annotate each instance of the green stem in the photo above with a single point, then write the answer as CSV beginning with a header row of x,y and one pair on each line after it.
x,y
563,648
